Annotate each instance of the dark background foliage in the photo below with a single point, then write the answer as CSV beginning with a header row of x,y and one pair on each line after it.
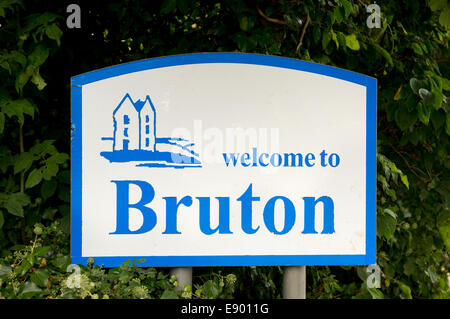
x,y
408,55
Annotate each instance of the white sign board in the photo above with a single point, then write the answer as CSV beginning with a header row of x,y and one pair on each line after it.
x,y
219,159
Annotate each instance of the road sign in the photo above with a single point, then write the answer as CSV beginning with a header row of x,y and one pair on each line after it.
x,y
218,159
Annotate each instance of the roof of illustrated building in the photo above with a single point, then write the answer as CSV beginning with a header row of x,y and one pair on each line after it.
x,y
138,105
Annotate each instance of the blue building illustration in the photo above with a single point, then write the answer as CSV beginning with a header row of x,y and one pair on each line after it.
x,y
134,138
134,125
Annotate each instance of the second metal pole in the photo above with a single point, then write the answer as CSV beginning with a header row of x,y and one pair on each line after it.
x,y
294,282
184,276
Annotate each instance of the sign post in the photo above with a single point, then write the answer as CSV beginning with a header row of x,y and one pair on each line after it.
x,y
224,159
184,276
294,282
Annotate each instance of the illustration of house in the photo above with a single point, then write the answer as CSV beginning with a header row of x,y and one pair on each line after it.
x,y
134,139
134,125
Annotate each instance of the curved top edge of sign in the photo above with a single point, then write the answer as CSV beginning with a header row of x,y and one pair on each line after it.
x,y
222,57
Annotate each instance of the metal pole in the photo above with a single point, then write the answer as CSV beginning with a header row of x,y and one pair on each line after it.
x,y
184,276
294,282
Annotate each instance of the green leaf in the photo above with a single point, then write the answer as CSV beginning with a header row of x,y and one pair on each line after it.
x,y
23,162
2,122
433,99
27,107
48,188
444,18
64,194
390,212
444,229
39,55
14,208
49,213
5,65
410,267
434,277
4,270
423,112
334,38
438,119
2,221
37,80
50,171
12,109
54,33
405,119
65,221
404,180
41,251
348,7
341,39
22,198
30,289
169,294
40,277
416,85
398,93
211,289
362,273
436,81
23,77
17,57
385,225
438,98
426,96
338,14
417,49
34,178
15,203
61,262
38,21
405,290
59,158
445,84
44,148
18,108
411,103
375,293
23,268
436,5
385,54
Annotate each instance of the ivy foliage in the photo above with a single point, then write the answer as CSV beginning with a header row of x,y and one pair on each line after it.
x,y
408,54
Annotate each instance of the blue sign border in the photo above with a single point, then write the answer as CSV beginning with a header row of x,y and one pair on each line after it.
x,y
370,83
